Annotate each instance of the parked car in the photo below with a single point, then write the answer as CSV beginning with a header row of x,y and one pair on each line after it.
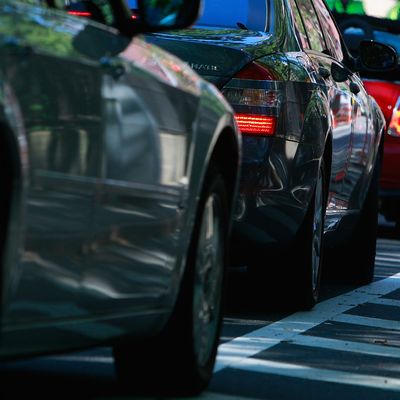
x,y
120,167
385,88
312,139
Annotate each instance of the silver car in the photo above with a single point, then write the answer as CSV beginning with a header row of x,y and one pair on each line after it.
x,y
119,171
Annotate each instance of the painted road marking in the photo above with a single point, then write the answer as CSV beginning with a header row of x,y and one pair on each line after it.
x,y
317,374
387,302
367,321
237,351
346,345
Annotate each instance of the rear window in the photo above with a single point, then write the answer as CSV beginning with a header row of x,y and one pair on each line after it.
x,y
251,14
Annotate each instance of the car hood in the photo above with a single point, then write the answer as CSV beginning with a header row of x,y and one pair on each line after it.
x,y
216,54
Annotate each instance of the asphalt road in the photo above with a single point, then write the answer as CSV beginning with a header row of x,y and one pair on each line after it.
x,y
348,347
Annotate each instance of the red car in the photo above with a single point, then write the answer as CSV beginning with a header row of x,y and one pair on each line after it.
x,y
387,94
385,88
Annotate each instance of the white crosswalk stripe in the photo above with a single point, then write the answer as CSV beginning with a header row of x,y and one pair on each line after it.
x,y
240,348
346,345
386,302
367,321
318,374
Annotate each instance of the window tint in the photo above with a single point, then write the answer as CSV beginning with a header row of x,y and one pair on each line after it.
x,y
312,25
298,22
331,34
252,14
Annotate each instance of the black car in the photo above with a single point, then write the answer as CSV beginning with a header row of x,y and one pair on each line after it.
x,y
312,139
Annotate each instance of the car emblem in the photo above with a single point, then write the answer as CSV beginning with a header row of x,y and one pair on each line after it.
x,y
204,67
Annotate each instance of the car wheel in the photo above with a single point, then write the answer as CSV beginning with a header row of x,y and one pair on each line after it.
x,y
354,262
180,361
305,258
293,276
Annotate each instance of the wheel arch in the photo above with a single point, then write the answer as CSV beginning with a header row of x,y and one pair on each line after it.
x,y
226,156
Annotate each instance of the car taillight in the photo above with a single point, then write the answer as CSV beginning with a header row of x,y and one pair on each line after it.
x,y
256,124
394,126
256,99
86,14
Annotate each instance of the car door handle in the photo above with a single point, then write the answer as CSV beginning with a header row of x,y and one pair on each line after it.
x,y
113,67
324,72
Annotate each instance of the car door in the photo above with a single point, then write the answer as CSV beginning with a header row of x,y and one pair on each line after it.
x,y
149,104
362,139
58,92
324,59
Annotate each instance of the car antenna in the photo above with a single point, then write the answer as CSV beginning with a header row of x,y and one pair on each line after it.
x,y
242,26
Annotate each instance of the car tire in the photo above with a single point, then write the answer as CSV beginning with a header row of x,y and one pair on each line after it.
x,y
354,262
305,258
180,360
298,267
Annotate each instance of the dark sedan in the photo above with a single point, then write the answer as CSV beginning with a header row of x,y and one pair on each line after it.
x,y
119,171
312,139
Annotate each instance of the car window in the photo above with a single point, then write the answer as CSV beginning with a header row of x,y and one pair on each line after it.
x,y
252,14
299,26
332,35
312,25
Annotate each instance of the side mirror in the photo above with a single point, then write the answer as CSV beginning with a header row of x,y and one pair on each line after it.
x,y
375,56
131,17
158,15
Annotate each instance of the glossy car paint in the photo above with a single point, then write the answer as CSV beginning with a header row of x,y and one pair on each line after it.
x,y
385,88
112,139
319,118
387,94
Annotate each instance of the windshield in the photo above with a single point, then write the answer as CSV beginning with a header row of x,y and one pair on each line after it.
x,y
368,20
250,14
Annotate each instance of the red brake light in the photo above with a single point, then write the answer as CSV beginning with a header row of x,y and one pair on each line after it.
x,y
80,13
259,125
256,99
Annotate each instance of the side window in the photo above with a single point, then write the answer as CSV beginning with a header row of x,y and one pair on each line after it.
x,y
97,10
331,33
299,25
312,25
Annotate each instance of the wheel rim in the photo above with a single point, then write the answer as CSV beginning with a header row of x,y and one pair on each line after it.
x,y
317,231
208,282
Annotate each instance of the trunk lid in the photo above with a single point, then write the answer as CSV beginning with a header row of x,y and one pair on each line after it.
x,y
216,54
